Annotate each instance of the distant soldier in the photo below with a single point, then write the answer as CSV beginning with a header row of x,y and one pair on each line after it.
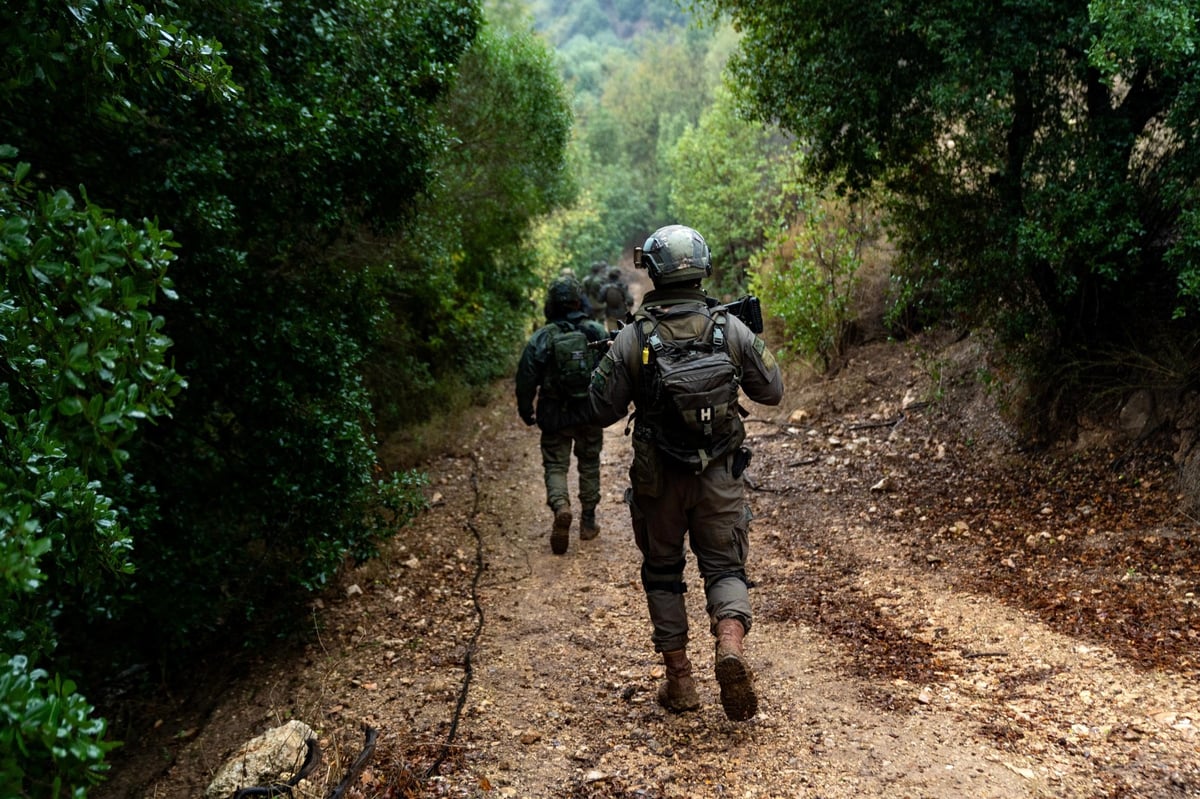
x,y
593,290
617,300
585,302
555,369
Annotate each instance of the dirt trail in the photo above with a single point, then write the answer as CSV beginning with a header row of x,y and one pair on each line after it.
x,y
493,668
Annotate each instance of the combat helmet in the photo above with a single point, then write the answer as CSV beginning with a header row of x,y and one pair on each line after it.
x,y
564,294
675,254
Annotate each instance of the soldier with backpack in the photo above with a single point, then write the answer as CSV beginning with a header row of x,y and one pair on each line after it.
x,y
682,362
555,369
616,300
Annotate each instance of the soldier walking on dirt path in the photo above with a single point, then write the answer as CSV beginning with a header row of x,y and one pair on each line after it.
x,y
555,368
616,299
681,362
593,291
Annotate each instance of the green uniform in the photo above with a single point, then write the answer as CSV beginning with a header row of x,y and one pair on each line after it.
x,y
617,302
669,503
565,422
593,287
593,291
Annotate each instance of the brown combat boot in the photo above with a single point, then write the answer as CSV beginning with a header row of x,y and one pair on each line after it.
x,y
560,533
588,529
733,672
678,693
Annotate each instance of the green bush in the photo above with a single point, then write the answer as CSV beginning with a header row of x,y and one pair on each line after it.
x,y
466,267
84,363
809,275
1045,191
51,743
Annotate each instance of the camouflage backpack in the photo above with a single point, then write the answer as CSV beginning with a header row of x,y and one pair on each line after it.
x,y
569,369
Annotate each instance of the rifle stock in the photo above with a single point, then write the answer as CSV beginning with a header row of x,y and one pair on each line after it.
x,y
748,309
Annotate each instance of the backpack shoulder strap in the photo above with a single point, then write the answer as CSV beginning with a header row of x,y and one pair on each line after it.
x,y
718,330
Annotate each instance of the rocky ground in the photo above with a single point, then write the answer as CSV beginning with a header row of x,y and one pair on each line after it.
x,y
938,615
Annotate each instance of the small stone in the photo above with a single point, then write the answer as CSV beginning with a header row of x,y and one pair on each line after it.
x,y
1027,773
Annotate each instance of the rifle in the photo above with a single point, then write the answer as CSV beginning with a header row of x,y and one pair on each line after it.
x,y
748,309
604,343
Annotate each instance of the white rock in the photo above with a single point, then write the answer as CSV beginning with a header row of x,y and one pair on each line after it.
x,y
274,756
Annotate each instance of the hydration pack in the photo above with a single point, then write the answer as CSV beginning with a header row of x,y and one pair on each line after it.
x,y
688,392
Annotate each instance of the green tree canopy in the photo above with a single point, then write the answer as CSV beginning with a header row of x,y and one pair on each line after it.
x,y
320,119
1043,154
464,270
729,179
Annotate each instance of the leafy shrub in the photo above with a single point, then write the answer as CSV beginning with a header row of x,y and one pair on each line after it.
x,y
84,363
731,179
51,744
810,275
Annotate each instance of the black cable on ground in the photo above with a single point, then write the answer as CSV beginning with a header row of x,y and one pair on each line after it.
x,y
370,736
468,667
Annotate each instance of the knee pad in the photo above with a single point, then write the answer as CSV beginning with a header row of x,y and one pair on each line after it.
x,y
737,575
664,578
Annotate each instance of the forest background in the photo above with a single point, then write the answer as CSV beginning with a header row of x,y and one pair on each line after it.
x,y
242,241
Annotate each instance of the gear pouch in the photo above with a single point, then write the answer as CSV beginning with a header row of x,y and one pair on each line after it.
x,y
646,473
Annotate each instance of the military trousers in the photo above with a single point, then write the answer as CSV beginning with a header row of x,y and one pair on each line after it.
x,y
707,512
586,441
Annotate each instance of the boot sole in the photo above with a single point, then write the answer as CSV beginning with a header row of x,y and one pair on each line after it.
x,y
737,689
560,534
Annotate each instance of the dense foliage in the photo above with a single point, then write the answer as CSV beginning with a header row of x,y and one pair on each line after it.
x,y
735,181
83,365
569,23
83,359
1043,156
334,130
464,271
310,172
655,85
